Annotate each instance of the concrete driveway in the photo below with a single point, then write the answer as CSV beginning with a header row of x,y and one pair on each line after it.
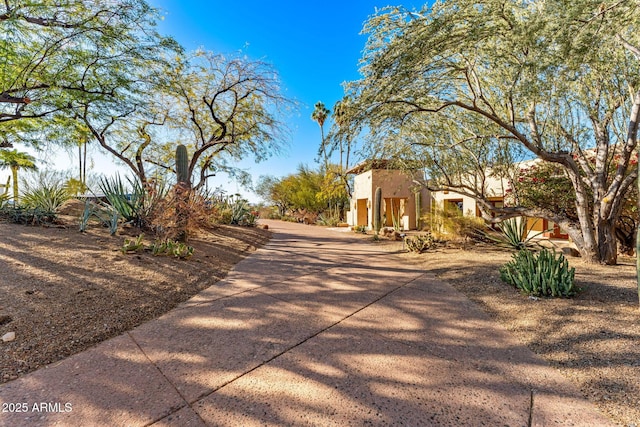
x,y
316,328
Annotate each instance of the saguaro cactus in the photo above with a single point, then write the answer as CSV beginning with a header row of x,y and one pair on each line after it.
x,y
418,209
182,164
377,210
182,195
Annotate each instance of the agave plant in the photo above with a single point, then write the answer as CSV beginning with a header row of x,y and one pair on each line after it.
x,y
46,197
134,205
514,233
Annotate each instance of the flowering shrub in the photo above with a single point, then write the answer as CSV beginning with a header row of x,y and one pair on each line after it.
x,y
546,185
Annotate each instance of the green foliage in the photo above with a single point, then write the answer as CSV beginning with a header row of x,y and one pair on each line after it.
x,y
134,205
234,211
329,219
63,55
27,216
515,234
15,161
171,248
75,187
166,247
471,88
360,229
182,164
544,274
544,185
420,242
47,197
86,215
133,245
377,210
4,198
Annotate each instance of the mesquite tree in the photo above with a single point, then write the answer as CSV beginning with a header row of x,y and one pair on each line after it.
x,y
57,56
471,87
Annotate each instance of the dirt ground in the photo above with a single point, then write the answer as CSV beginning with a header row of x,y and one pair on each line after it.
x,y
62,291
593,338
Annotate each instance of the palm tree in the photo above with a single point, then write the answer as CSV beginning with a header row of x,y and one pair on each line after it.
x,y
15,160
320,114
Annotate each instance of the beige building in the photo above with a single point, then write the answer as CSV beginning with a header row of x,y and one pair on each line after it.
x,y
399,200
399,208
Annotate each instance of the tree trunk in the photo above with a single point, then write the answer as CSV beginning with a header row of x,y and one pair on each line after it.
x,y
84,168
607,243
14,174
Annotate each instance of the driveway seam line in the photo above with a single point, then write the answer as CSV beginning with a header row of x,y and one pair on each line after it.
x,y
301,342
172,410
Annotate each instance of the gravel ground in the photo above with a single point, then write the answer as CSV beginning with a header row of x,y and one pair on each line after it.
x,y
62,291
593,338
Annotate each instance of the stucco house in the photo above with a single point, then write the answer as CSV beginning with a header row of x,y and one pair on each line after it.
x,y
399,207
399,199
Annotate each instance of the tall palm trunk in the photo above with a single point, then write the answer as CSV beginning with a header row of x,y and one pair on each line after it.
x,y
14,175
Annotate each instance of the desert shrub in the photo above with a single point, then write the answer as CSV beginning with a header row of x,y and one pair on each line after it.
x,y
329,219
174,214
514,233
47,197
103,212
360,229
27,216
129,202
451,224
542,274
420,243
234,211
135,203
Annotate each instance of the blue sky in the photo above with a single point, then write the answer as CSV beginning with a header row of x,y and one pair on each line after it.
x,y
315,46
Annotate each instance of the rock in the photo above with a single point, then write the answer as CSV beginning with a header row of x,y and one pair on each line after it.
x,y
263,226
9,336
4,319
397,236
570,252
387,231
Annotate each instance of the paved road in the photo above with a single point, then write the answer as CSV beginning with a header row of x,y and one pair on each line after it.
x,y
316,328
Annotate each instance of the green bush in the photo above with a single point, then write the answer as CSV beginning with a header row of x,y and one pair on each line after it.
x,y
27,216
420,243
515,234
134,203
46,197
544,274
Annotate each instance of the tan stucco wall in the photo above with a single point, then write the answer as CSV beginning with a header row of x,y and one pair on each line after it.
x,y
395,184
